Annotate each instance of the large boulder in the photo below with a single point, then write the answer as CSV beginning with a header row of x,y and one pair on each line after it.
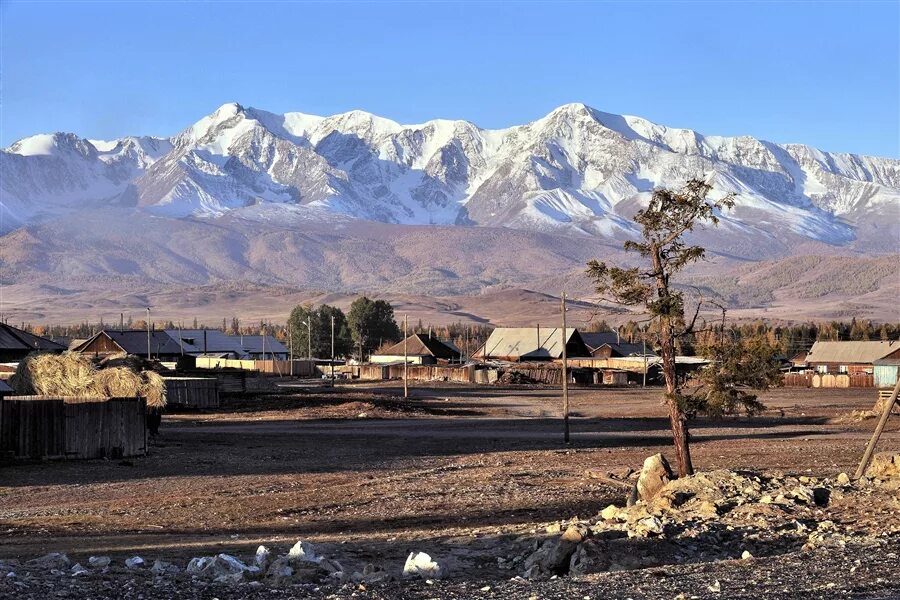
x,y
655,474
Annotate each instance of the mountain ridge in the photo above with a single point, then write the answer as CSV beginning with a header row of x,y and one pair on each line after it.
x,y
575,170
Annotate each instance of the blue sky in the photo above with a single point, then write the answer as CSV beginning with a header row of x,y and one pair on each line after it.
x,y
825,74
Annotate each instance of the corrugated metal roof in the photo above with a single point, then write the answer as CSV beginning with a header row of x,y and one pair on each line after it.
x,y
420,344
850,352
527,342
218,341
598,339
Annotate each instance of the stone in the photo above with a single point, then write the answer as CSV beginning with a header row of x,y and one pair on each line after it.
x,y
99,562
745,555
77,570
263,558
161,567
610,513
198,565
803,494
574,534
54,560
135,562
421,565
655,474
884,465
303,551
843,479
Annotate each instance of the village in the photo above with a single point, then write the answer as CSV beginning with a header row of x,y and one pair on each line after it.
x,y
529,463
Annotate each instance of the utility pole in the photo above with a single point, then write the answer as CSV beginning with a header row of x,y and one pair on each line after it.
x,y
644,341
290,345
565,378
405,357
309,337
148,333
332,350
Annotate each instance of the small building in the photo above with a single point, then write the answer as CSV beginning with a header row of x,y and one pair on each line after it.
x,y
608,344
850,357
421,349
518,344
16,344
131,341
886,371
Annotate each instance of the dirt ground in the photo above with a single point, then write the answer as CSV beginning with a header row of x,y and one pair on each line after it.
x,y
458,472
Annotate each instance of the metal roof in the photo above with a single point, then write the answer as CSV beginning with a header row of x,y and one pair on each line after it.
x,y
850,352
420,344
598,339
216,341
527,342
12,338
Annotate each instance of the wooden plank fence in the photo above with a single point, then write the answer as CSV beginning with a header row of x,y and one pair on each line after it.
x,y
192,392
41,427
282,368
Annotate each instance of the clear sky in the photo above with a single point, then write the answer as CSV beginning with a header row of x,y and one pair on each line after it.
x,y
825,74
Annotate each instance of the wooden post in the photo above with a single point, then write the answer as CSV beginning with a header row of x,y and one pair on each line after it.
x,y
644,340
870,448
565,378
309,337
405,357
290,345
148,333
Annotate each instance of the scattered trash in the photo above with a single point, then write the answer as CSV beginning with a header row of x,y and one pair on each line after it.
x,y
420,564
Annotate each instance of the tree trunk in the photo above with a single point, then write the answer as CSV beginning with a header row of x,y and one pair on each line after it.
x,y
680,434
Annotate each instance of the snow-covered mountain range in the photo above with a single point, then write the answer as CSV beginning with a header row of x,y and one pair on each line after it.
x,y
576,170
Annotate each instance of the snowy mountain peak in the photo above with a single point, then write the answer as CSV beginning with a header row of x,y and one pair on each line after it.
x,y
577,169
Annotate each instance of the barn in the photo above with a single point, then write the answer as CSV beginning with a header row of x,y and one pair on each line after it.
x,y
158,344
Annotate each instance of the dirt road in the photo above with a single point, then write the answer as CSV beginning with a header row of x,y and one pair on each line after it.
x,y
359,471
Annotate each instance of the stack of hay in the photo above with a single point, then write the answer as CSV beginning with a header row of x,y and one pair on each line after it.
x,y
72,374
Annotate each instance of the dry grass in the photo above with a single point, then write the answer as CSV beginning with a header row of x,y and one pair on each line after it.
x,y
72,374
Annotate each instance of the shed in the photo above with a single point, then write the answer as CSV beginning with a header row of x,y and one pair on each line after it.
x,y
885,371
531,344
421,349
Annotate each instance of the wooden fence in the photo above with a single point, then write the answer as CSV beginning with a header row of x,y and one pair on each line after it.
x,y
301,368
829,380
233,381
192,392
42,427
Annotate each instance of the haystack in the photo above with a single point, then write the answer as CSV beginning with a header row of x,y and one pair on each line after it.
x,y
73,374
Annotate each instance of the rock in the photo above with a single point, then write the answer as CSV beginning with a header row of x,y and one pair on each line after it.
x,y
553,528
370,574
198,565
135,562
646,527
655,474
745,555
420,564
303,551
575,534
821,496
263,558
54,560
610,513
843,479
884,465
99,562
161,567
803,494
77,570
280,569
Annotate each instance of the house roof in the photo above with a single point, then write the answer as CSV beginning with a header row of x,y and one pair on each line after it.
x,y
851,352
527,342
192,340
134,341
5,388
598,339
12,338
420,344
887,362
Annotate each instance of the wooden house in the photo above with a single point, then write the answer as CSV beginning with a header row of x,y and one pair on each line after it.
x,y
850,357
607,344
421,349
159,345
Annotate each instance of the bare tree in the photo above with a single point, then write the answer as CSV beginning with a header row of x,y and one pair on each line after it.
x,y
668,217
